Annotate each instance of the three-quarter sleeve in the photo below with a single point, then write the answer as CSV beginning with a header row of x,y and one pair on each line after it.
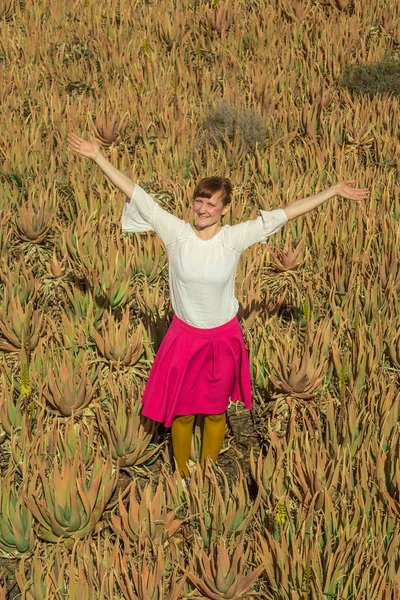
x,y
141,213
245,234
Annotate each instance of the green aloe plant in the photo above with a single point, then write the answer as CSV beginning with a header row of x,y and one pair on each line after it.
x,y
148,580
86,311
149,257
122,427
69,500
221,570
220,511
117,345
91,569
71,383
19,322
11,411
16,521
271,472
147,518
105,265
34,218
65,438
46,579
298,373
20,283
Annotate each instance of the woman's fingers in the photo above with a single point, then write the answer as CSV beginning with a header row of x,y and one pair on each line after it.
x,y
78,144
74,141
346,189
358,194
74,138
90,148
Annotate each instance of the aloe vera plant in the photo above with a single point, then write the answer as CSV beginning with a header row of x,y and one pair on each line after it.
x,y
149,258
221,571
109,129
111,284
272,477
74,386
393,347
86,311
34,219
221,512
172,31
148,580
124,429
91,569
18,322
45,581
298,375
11,410
16,521
154,307
107,278
326,472
251,302
65,438
71,499
222,18
315,473
116,345
147,517
287,259
55,268
19,283
5,234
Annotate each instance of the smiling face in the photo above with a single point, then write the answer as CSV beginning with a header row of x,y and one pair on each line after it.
x,y
208,211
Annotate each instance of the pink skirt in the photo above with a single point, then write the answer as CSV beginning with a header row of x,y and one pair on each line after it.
x,y
197,371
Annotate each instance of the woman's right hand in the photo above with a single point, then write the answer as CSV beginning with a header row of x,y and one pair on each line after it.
x,y
90,148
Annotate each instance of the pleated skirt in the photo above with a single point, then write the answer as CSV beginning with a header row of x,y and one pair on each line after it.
x,y
197,371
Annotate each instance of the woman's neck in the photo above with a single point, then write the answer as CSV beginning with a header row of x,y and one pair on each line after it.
x,y
206,233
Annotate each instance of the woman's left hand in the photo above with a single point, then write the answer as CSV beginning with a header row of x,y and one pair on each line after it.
x,y
352,193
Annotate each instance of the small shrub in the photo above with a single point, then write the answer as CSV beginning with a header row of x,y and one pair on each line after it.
x,y
220,121
252,129
224,120
379,78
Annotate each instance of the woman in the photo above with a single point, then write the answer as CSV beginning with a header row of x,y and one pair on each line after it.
x,y
202,361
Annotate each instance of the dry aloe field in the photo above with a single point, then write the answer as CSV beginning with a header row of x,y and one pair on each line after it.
x,y
303,503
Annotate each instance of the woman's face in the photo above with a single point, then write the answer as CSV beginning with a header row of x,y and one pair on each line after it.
x,y
208,211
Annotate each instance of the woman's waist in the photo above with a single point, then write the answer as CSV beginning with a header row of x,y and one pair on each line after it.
x,y
226,328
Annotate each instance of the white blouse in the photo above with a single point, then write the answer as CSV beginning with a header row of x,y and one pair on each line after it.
x,y
201,272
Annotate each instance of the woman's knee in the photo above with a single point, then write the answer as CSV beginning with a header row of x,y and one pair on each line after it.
x,y
216,418
184,419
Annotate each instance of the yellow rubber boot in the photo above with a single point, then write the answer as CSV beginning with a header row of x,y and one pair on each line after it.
x,y
213,437
181,433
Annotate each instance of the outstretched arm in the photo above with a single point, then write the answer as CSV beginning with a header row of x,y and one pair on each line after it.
x,y
91,149
140,212
300,207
